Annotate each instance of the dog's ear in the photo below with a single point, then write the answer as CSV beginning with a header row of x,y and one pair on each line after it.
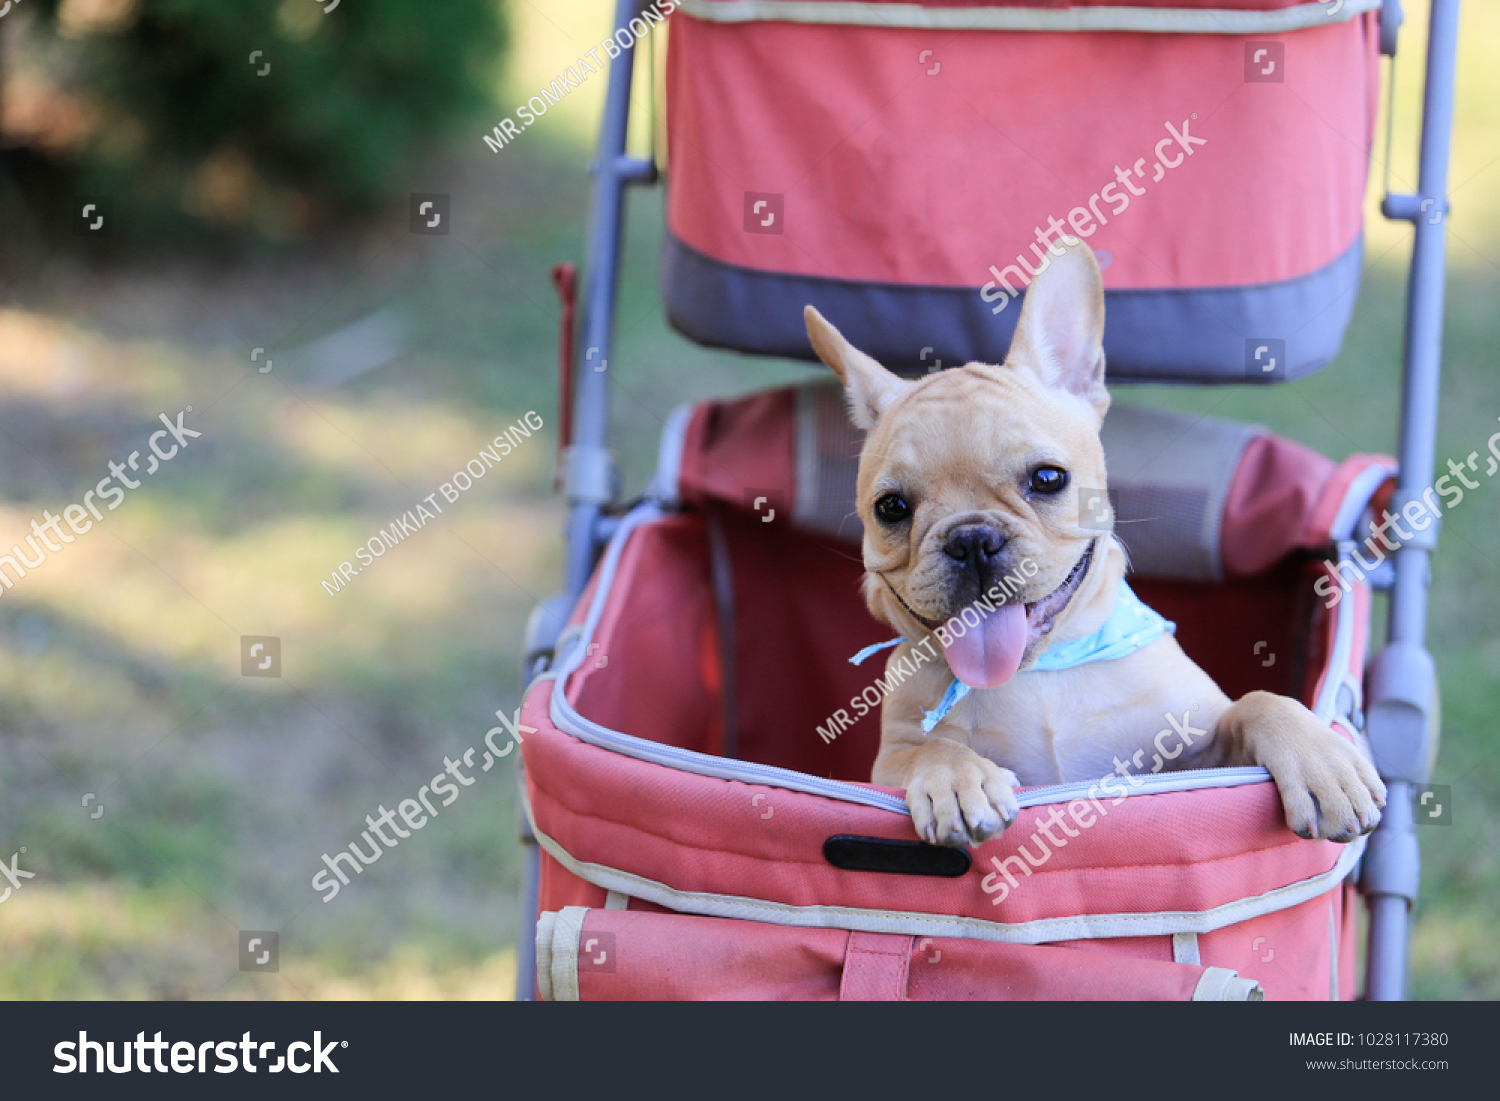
x,y
869,385
1060,334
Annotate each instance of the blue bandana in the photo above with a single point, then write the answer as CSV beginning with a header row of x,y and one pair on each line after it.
x,y
1131,626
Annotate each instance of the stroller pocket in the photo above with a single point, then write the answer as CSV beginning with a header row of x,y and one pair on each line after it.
x,y
587,954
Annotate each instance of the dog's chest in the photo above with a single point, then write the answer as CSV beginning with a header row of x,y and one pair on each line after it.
x,y
1079,724
1042,738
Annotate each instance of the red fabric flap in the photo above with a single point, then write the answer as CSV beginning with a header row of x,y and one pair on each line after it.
x,y
638,956
741,446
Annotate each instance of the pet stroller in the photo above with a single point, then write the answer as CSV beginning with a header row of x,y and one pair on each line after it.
x,y
696,743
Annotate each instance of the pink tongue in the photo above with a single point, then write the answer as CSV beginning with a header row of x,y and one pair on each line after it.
x,y
988,655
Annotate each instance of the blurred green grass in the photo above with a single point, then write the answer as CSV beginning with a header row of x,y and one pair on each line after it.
x,y
119,657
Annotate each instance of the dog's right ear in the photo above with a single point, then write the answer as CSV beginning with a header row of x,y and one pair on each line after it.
x,y
1060,334
869,386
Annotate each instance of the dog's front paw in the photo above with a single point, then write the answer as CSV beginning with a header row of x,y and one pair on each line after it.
x,y
961,799
1329,790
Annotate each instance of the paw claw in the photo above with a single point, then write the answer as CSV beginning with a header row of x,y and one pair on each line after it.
x,y
1330,791
961,800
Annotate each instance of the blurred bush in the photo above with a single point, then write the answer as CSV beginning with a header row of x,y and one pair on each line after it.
x,y
158,103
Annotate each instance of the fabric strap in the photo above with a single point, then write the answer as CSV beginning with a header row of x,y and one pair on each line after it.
x,y
1185,948
1219,984
876,967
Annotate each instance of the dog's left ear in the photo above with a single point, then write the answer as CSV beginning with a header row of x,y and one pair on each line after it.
x,y
1060,334
870,386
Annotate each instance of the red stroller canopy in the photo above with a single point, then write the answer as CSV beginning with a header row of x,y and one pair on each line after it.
x,y
904,166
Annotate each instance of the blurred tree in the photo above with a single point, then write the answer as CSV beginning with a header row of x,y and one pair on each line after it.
x,y
265,114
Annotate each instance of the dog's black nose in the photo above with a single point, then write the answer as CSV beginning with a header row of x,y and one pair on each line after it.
x,y
975,546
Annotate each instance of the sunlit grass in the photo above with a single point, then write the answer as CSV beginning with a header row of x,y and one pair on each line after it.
x,y
112,941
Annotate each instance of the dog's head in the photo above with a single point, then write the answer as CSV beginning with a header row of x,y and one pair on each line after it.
x,y
976,484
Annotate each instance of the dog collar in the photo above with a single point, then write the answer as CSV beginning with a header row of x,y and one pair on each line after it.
x,y
1130,626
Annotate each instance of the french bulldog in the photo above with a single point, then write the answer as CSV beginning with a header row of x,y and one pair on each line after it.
x,y
968,490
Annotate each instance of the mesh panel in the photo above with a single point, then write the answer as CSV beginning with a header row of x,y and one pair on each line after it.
x,y
1169,474
1160,524
827,462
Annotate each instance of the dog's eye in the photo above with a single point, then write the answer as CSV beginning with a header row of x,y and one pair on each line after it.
x,y
1048,480
892,509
